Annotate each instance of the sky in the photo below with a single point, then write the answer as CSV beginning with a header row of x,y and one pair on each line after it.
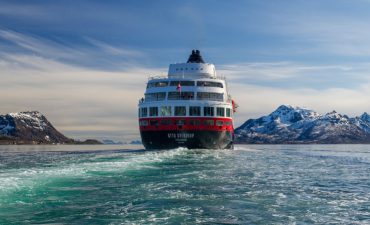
x,y
84,64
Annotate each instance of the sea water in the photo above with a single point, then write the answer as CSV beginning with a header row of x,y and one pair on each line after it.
x,y
253,184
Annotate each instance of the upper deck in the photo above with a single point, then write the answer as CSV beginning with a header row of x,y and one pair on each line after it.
x,y
194,80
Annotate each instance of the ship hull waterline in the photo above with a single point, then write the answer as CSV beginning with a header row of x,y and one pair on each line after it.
x,y
170,139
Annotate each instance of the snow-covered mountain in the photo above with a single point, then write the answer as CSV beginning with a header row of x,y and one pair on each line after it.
x,y
30,128
290,124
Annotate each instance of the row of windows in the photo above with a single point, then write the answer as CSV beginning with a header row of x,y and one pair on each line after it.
x,y
177,69
183,122
159,96
185,95
182,111
185,83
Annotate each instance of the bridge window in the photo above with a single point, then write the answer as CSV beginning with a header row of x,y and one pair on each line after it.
x,y
183,83
155,96
180,111
228,112
166,111
144,112
220,111
177,95
210,96
194,111
209,84
208,111
153,111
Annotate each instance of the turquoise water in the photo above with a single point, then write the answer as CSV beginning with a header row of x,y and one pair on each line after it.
x,y
254,184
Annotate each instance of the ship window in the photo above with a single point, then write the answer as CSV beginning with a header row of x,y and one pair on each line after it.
x,y
208,111
180,111
143,123
154,123
173,95
228,112
155,96
228,123
176,95
209,84
209,122
220,111
194,111
166,111
194,122
157,84
166,122
210,96
144,112
161,84
153,111
219,123
183,83
180,122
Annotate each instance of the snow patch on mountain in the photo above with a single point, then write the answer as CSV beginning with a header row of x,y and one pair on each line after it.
x,y
32,119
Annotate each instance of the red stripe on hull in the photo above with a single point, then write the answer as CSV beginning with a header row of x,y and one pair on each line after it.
x,y
186,124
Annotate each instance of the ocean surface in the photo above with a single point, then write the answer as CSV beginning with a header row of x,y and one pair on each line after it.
x,y
253,184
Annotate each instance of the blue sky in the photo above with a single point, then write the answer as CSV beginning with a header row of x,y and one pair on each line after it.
x,y
85,63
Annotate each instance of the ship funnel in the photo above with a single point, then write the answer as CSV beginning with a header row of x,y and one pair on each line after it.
x,y
195,57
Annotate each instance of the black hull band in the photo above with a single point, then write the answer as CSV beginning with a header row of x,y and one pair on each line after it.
x,y
189,139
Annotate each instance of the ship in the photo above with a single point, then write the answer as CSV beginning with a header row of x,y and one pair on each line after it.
x,y
189,107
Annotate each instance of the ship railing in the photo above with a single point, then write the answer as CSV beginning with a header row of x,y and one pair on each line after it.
x,y
157,77
214,101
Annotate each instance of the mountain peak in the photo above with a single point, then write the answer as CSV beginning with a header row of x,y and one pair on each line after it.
x,y
365,117
335,115
26,114
291,114
286,107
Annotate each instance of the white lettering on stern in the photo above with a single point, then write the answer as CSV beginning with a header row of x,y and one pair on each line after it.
x,y
180,135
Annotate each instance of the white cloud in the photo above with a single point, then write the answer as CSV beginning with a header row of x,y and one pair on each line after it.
x,y
298,75
40,46
113,50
